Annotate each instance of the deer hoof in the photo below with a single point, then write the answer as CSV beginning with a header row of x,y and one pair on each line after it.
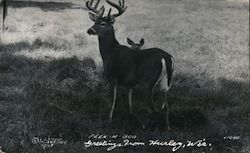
x,y
169,129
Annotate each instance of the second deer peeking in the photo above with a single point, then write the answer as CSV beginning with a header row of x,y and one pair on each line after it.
x,y
134,45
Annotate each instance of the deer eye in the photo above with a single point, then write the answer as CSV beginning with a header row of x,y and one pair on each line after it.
x,y
103,24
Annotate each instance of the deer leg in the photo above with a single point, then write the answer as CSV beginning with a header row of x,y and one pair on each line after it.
x,y
148,95
113,104
166,109
152,101
130,99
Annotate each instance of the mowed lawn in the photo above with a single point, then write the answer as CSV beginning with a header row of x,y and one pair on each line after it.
x,y
45,51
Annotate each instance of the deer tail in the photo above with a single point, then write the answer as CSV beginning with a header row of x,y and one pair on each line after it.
x,y
165,79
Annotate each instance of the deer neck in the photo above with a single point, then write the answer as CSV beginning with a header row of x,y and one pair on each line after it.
x,y
107,43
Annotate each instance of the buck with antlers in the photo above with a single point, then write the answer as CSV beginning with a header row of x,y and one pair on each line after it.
x,y
127,67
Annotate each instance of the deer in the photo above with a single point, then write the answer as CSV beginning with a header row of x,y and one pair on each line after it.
x,y
135,45
124,66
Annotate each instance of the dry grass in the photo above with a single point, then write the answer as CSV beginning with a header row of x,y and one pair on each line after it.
x,y
45,54
205,37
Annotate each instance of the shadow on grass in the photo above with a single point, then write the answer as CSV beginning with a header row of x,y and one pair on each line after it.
x,y
69,98
38,43
45,6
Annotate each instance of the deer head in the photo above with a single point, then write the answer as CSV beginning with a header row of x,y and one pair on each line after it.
x,y
103,24
135,45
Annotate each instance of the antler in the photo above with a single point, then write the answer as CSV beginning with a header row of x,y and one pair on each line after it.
x,y
94,9
121,8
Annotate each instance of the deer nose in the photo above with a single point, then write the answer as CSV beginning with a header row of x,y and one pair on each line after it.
x,y
91,31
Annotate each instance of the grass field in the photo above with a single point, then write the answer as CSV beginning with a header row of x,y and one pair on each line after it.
x,y
52,84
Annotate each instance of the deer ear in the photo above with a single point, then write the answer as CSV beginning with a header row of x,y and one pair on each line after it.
x,y
142,42
130,42
112,19
92,16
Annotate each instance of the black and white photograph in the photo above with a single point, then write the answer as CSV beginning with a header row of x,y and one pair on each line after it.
x,y
124,76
